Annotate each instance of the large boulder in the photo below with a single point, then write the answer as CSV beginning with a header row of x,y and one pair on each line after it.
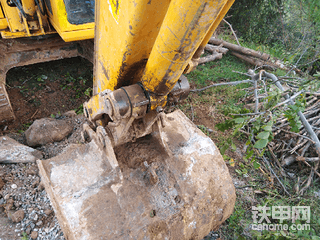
x,y
178,189
13,152
47,130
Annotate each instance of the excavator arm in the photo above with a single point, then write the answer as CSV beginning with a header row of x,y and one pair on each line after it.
x,y
141,50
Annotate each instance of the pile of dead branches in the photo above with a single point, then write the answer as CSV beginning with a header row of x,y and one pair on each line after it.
x,y
287,146
217,47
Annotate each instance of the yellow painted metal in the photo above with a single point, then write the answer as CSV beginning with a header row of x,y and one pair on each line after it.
x,y
15,21
29,7
19,26
125,35
184,28
3,23
193,63
35,24
1,12
213,27
69,32
3,20
77,35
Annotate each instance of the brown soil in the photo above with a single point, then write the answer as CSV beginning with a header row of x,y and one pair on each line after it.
x,y
39,90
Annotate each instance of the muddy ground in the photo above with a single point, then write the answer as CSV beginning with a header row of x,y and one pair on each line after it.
x,y
49,90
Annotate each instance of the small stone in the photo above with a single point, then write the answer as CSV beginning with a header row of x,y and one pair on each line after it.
x,y
6,197
9,205
35,183
1,183
34,235
28,230
14,186
41,186
48,212
39,223
47,130
70,114
17,216
32,225
31,172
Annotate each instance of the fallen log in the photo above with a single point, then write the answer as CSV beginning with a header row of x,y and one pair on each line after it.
x,y
253,61
240,49
210,58
212,49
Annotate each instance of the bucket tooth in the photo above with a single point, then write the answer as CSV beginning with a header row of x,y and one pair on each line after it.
x,y
139,191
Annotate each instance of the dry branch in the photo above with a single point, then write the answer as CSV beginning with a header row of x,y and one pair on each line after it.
x,y
254,61
220,84
234,34
210,58
240,49
212,48
303,119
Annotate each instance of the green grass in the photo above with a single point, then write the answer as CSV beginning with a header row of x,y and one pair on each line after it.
x,y
226,100
218,71
221,71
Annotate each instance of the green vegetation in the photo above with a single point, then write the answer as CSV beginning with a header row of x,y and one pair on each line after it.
x,y
78,85
263,188
290,28
24,236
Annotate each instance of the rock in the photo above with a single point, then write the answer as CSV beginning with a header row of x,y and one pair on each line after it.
x,y
35,183
34,235
17,216
41,186
9,205
39,223
70,114
48,212
13,152
190,183
32,171
28,230
1,183
47,130
288,161
14,186
32,225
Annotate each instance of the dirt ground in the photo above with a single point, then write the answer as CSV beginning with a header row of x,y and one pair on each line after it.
x,y
40,90
49,90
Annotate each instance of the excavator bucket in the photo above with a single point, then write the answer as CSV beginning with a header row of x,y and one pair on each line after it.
x,y
171,184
